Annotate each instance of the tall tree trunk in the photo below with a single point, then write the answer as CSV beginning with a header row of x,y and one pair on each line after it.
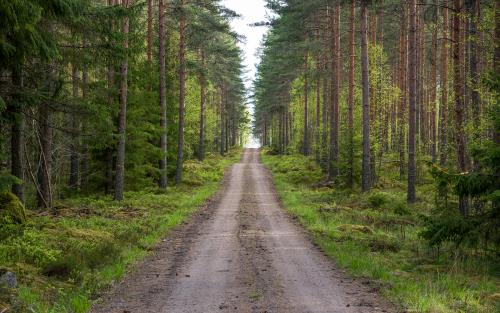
x,y
458,88
418,78
365,83
318,109
203,100
182,92
403,63
223,124
305,148
17,135
412,81
443,109
150,31
434,84
162,183
350,97
84,165
122,115
73,172
335,88
496,61
473,62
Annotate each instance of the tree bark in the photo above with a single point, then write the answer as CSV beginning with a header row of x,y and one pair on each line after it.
x,y
305,147
350,97
223,126
403,63
73,172
182,92
458,88
17,136
84,165
335,88
203,99
122,115
150,31
443,109
365,83
473,63
412,117
434,84
162,183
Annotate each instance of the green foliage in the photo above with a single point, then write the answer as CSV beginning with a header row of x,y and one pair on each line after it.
x,y
66,258
376,236
481,224
299,169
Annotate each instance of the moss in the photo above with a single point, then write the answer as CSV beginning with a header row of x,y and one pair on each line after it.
x,y
11,207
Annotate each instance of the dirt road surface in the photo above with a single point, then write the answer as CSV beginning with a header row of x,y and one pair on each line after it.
x,y
241,253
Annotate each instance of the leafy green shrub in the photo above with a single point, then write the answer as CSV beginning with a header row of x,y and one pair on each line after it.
x,y
378,199
32,247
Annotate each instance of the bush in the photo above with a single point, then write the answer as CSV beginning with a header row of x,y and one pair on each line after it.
x,y
378,199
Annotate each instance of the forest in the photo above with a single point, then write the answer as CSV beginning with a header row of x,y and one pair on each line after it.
x,y
125,127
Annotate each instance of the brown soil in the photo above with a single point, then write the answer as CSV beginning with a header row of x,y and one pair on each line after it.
x,y
241,253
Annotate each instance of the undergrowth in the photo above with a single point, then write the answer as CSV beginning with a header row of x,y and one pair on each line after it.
x,y
376,236
64,259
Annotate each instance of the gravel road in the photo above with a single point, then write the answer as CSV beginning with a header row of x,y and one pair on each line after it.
x,y
241,253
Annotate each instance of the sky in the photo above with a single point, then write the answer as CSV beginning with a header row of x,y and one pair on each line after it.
x,y
251,11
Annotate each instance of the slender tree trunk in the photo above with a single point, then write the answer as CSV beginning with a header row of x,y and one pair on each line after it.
x,y
473,63
305,148
325,141
334,112
109,162
84,166
17,136
412,81
318,110
350,97
150,32
403,61
122,115
73,172
443,109
162,183
365,83
418,79
182,92
496,62
458,88
201,145
223,125
434,84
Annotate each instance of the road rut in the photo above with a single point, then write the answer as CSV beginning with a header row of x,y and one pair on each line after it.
x,y
241,253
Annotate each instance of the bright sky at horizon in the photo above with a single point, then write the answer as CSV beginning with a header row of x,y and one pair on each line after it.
x,y
251,11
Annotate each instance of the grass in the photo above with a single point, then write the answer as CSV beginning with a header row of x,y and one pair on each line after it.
x,y
375,236
65,260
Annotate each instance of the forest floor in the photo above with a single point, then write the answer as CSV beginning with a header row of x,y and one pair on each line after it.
x,y
66,258
241,253
375,236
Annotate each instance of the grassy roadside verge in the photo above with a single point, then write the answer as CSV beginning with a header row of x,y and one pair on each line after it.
x,y
63,260
375,235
